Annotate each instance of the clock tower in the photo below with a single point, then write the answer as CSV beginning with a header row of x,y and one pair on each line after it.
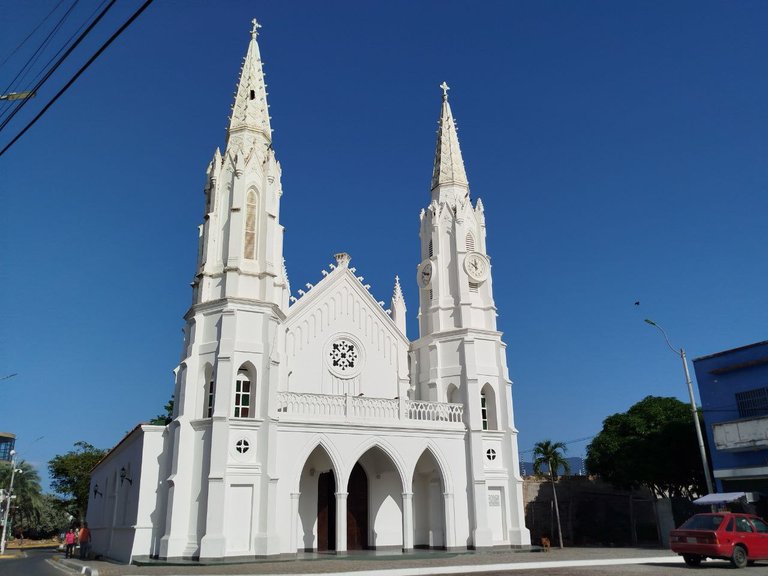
x,y
459,356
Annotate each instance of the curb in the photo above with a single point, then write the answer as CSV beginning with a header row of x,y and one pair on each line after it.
x,y
87,570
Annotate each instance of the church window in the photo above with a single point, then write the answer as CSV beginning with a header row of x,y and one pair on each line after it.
x,y
343,355
490,454
488,408
473,286
242,395
470,242
431,253
253,94
242,446
210,399
250,226
430,294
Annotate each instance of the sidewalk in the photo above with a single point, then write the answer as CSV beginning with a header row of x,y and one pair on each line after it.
x,y
421,564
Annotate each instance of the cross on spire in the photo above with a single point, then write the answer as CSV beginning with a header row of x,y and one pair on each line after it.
x,y
445,88
255,29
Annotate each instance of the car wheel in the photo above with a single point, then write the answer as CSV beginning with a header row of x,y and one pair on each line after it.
x,y
692,559
739,557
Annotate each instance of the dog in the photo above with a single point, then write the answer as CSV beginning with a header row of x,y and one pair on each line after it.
x,y
545,543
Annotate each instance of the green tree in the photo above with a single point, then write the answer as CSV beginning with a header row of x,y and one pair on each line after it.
x,y
164,419
27,507
550,456
71,475
653,444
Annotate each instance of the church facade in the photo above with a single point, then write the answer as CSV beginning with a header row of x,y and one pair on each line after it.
x,y
312,423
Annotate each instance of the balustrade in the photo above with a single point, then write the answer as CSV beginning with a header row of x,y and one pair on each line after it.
x,y
298,405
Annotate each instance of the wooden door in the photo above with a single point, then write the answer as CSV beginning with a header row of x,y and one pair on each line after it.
x,y
326,511
357,510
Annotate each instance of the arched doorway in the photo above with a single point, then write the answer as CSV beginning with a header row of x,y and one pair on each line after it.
x,y
316,528
428,503
357,509
374,502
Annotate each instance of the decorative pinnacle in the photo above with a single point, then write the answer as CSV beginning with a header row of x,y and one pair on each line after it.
x,y
255,29
445,88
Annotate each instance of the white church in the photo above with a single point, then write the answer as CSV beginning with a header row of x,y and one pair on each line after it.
x,y
312,423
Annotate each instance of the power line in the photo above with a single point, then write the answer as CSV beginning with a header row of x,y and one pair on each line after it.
x,y
85,66
58,63
35,29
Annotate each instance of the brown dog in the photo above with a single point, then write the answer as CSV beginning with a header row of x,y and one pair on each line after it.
x,y
545,543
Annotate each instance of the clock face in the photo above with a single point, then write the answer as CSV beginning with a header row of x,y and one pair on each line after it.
x,y
476,266
425,274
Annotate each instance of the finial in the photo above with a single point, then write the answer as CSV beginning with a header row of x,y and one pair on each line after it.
x,y
445,88
342,259
255,29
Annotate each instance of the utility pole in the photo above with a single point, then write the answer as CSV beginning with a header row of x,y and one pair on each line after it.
x,y
8,500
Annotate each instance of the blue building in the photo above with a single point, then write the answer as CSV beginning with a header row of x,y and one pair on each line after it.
x,y
733,386
7,442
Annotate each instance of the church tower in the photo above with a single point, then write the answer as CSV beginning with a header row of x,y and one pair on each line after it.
x,y
459,356
232,338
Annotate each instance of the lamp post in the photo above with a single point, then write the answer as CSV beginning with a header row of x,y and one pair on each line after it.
x,y
694,410
8,499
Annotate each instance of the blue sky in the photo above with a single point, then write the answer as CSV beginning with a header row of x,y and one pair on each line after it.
x,y
620,149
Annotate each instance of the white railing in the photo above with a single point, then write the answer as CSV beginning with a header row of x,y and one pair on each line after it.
x,y
303,406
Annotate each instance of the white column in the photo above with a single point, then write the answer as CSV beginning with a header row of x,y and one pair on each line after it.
x,y
294,520
341,521
407,520
450,526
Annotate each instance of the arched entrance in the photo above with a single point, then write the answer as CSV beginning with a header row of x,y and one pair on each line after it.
x,y
374,502
428,503
317,503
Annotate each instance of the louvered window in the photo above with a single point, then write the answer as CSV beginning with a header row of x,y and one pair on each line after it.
x,y
473,286
470,242
250,226
430,249
752,403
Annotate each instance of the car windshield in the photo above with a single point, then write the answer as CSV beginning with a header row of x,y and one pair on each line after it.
x,y
703,522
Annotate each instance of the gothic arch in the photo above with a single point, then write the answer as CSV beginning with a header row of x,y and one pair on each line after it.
x,y
453,394
317,441
430,518
250,226
209,390
430,447
387,449
489,407
245,402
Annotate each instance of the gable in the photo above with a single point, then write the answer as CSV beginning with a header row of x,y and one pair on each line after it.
x,y
339,340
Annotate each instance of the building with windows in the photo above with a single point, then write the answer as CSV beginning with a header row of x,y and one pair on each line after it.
x,y
312,423
7,443
733,386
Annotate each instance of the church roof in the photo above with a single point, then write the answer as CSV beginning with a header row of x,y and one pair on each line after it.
x,y
449,165
250,110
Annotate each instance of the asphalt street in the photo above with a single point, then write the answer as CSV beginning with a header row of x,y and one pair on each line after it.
x,y
33,562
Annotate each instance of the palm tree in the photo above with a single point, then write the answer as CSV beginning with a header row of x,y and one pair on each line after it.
x,y
551,455
28,504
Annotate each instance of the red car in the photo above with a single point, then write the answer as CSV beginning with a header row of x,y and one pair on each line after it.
x,y
740,538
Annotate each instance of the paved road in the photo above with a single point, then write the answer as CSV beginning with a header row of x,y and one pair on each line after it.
x,y
708,568
33,562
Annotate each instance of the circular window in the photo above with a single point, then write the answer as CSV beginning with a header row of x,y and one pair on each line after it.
x,y
490,454
344,356
242,446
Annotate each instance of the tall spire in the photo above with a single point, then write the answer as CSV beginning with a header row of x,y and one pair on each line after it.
x,y
449,166
250,111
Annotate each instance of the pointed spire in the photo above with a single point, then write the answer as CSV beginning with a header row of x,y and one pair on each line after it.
x,y
250,110
449,166
397,306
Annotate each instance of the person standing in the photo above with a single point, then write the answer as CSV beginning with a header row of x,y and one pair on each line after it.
x,y
85,541
69,540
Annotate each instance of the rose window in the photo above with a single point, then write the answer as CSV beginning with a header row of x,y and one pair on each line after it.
x,y
343,355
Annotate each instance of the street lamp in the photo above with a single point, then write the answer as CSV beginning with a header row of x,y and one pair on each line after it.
x,y
8,499
694,410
